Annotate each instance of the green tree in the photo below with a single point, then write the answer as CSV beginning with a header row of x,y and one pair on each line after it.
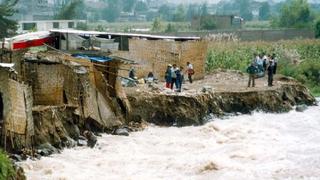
x,y
204,9
180,14
207,23
317,28
112,12
141,6
128,5
264,11
82,26
245,11
295,14
170,28
73,10
156,25
193,10
7,26
165,12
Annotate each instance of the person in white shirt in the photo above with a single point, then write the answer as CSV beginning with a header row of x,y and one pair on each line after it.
x,y
190,71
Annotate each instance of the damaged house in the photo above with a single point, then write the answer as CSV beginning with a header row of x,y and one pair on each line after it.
x,y
55,95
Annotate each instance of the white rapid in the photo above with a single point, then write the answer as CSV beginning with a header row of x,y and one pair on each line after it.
x,y
257,146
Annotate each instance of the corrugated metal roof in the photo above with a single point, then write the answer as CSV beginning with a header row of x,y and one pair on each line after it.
x,y
148,36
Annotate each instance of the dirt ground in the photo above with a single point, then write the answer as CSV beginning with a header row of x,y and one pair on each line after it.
x,y
219,81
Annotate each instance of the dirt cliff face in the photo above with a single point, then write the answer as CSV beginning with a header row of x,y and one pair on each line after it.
x,y
183,109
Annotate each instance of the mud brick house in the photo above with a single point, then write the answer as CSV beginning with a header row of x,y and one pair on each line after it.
x,y
49,96
155,55
16,100
152,52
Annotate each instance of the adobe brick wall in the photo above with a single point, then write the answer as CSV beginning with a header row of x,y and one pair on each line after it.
x,y
155,55
4,89
18,117
47,83
17,101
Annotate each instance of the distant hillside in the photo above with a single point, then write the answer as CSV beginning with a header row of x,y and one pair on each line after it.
x,y
216,1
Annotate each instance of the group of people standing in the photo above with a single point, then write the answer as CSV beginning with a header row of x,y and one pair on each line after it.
x,y
260,65
174,75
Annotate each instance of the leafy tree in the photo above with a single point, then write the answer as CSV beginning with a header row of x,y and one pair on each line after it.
x,y
165,12
207,23
7,26
128,5
141,6
317,28
112,12
295,13
193,10
100,28
245,11
204,9
73,10
170,28
82,26
180,14
156,25
264,11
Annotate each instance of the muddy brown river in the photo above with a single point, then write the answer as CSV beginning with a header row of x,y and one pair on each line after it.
x,y
257,146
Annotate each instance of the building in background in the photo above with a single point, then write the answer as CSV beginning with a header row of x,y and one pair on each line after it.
x,y
46,25
220,21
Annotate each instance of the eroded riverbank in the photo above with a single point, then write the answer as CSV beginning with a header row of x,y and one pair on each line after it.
x,y
220,93
257,146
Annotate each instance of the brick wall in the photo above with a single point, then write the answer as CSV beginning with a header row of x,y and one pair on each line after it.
x,y
18,117
17,101
47,83
4,86
155,55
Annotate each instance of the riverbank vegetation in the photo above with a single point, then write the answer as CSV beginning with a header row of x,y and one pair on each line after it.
x,y
299,59
6,168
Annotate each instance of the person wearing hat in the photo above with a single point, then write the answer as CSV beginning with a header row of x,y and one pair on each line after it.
x,y
168,76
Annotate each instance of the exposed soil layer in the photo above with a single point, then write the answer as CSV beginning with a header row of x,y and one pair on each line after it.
x,y
219,93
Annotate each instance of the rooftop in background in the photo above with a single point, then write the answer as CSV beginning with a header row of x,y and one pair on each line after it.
x,y
147,36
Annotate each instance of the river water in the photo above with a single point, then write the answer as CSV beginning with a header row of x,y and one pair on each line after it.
x,y
257,146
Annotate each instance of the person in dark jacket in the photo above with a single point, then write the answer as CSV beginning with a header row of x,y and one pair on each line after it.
x,y
270,70
168,76
252,70
174,76
178,80
275,63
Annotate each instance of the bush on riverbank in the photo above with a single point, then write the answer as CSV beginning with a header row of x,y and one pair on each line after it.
x,y
6,168
299,59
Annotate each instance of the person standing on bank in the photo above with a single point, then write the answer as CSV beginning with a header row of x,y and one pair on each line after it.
x,y
178,80
168,77
173,75
190,71
275,63
252,70
270,70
